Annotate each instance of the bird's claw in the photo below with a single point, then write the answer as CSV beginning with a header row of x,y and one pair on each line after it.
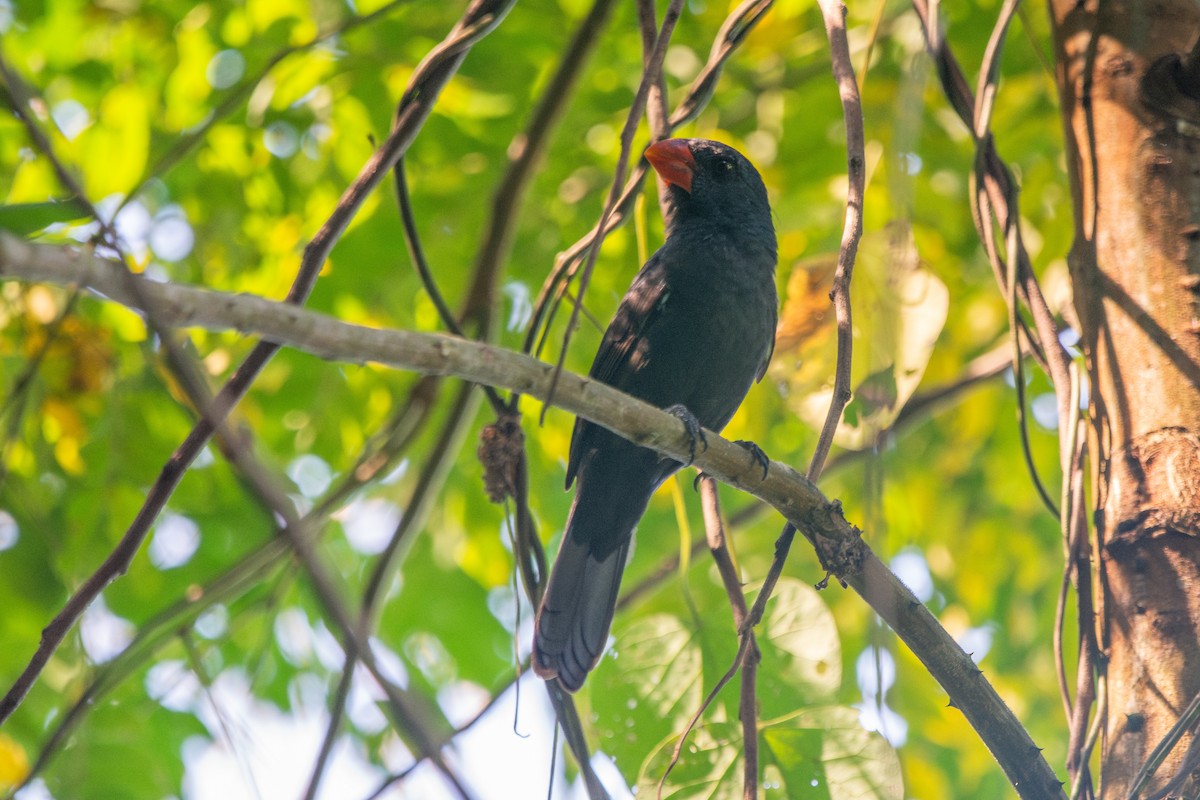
x,y
694,428
756,453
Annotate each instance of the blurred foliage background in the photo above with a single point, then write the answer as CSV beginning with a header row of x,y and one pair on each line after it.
x,y
90,414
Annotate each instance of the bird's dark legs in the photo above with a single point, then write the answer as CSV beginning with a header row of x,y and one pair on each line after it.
x,y
694,429
756,453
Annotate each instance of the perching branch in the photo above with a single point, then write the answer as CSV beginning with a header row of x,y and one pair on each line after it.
x,y
793,495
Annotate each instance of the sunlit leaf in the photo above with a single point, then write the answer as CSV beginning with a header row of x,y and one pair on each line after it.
x,y
647,688
821,753
825,752
899,308
14,763
802,655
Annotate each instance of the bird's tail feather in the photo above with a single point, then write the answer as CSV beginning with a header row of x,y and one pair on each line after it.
x,y
576,612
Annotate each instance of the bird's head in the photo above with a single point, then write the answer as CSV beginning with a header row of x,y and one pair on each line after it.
x,y
711,184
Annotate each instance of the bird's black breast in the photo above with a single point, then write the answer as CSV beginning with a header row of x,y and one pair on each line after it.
x,y
712,332
695,329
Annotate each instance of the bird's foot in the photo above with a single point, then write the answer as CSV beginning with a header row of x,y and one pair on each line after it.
x,y
694,429
756,453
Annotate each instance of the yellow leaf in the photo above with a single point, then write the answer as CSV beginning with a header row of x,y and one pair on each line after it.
x,y
66,453
14,764
115,150
188,89
899,308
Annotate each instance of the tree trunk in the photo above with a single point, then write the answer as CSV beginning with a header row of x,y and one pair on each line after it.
x,y
1130,93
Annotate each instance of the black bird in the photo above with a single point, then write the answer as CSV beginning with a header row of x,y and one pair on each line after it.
x,y
692,334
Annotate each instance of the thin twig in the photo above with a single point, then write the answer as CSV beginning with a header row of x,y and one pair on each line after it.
x,y
526,151
714,527
337,711
989,77
412,240
299,537
416,513
657,112
1079,558
1097,726
722,682
834,13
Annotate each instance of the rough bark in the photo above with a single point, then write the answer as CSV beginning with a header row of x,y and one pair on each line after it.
x,y
1130,93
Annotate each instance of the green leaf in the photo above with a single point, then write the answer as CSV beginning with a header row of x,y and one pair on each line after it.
x,y
820,753
27,218
801,651
709,767
899,308
647,688
825,752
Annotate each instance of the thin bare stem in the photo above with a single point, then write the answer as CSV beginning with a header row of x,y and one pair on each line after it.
x,y
834,13
412,240
714,528
722,682
337,711
1065,525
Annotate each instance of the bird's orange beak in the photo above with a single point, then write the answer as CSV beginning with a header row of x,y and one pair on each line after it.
x,y
672,159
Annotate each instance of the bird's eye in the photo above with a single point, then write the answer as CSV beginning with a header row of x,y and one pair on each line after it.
x,y
726,168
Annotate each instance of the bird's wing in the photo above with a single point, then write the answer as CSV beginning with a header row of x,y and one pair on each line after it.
x,y
614,363
766,362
